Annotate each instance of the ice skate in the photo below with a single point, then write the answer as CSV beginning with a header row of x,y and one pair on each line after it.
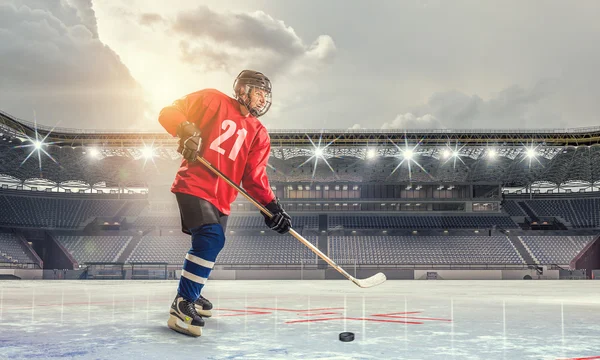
x,y
184,318
203,306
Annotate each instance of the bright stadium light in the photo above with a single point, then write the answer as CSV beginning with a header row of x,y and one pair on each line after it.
x,y
452,152
37,144
371,153
530,153
492,153
148,152
407,153
94,152
318,153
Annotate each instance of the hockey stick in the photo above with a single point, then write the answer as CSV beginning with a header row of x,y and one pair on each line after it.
x,y
363,283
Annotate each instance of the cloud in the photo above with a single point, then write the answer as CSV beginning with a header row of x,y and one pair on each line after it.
x,y
411,122
52,62
513,107
86,14
231,41
150,19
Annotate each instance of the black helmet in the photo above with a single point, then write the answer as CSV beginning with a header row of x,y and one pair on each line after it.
x,y
247,80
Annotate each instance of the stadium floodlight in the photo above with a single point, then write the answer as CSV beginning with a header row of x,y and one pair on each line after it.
x,y
371,153
408,153
37,143
455,153
531,153
148,152
446,153
94,152
492,153
318,153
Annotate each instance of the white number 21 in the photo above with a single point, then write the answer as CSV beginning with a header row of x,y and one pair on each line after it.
x,y
229,127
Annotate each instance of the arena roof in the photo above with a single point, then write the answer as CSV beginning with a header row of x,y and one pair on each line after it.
x,y
348,137
508,157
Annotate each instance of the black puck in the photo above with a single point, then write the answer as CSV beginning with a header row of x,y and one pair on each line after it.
x,y
346,336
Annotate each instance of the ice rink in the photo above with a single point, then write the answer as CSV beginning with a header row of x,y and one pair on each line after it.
x,y
302,320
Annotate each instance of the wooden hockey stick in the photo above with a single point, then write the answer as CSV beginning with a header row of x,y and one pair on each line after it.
x,y
363,283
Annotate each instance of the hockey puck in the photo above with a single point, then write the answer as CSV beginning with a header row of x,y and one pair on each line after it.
x,y
346,336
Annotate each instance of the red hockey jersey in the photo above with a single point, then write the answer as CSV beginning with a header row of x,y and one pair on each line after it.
x,y
237,145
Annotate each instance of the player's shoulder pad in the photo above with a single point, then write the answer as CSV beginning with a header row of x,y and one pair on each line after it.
x,y
214,98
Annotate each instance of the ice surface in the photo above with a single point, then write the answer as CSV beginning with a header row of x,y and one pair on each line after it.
x,y
302,319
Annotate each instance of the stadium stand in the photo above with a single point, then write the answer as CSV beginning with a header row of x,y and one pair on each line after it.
x,y
258,222
161,221
94,248
547,250
414,250
241,250
234,222
513,209
588,212
37,211
11,250
580,213
419,222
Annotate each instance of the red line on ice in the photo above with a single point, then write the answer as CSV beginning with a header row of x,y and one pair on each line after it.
x,y
243,312
397,313
361,319
293,310
323,313
411,317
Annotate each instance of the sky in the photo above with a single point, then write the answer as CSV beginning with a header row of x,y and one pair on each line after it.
x,y
334,64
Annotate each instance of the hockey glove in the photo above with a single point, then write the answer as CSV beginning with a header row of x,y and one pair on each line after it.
x,y
189,141
281,221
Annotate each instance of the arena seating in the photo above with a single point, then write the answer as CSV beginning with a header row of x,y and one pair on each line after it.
x,y
53,212
258,222
12,251
512,208
580,213
555,249
234,222
170,249
560,208
588,212
135,208
94,248
265,250
419,222
162,221
238,250
413,250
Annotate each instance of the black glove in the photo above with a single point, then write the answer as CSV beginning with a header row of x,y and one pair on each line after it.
x,y
189,141
281,221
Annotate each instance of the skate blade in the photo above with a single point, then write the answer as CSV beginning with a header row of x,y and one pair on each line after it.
x,y
176,324
203,313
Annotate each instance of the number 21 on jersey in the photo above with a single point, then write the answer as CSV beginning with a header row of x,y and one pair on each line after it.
x,y
229,127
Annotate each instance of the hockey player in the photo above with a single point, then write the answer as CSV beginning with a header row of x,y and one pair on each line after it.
x,y
227,133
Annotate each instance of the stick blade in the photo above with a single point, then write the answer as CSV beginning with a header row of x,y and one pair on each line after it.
x,y
374,280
